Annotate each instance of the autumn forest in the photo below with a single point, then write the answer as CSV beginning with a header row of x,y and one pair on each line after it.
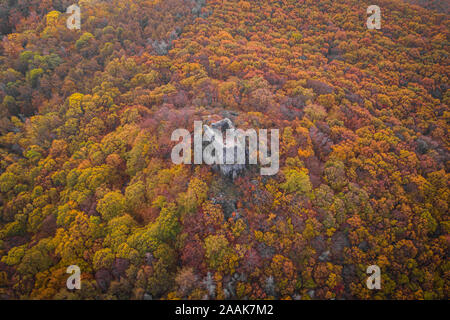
x,y
87,180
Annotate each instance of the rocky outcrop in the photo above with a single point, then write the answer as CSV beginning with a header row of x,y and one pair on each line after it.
x,y
227,170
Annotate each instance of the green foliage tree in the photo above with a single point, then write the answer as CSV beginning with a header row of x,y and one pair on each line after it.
x,y
112,205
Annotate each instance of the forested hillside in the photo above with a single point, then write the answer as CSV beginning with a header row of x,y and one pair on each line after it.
x,y
86,176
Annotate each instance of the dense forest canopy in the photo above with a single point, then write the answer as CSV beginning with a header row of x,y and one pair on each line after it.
x,y
86,177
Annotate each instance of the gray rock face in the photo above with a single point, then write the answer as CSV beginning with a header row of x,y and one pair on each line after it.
x,y
147,296
270,286
324,256
161,47
218,133
210,285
